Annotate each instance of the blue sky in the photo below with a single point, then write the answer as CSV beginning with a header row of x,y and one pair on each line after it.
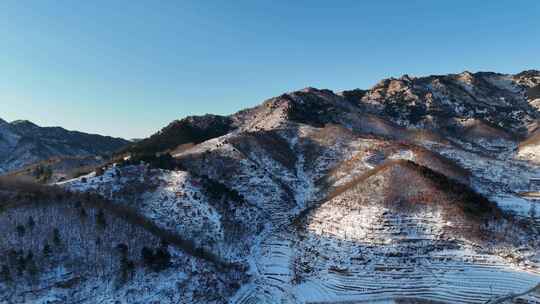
x,y
127,68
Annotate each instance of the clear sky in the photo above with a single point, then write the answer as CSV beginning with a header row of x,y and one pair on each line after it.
x,y
127,68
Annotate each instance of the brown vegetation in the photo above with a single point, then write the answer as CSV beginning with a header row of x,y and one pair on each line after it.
x,y
57,168
533,139
268,141
408,187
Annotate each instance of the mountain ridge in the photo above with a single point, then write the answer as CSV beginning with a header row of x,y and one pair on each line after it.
x,y
404,100
23,143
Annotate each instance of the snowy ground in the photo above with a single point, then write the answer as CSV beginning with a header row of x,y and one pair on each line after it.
x,y
353,257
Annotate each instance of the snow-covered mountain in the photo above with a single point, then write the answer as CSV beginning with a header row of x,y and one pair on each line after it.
x,y
23,143
419,190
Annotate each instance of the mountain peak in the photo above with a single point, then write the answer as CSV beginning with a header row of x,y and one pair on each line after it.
x,y
531,72
24,123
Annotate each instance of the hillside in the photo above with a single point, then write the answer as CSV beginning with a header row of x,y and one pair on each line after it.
x,y
56,169
403,230
407,192
55,242
23,143
188,131
529,149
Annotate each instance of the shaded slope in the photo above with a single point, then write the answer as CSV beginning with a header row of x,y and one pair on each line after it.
x,y
57,137
194,130
55,241
23,143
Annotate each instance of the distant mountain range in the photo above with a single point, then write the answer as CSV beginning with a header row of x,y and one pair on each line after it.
x,y
418,190
23,143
